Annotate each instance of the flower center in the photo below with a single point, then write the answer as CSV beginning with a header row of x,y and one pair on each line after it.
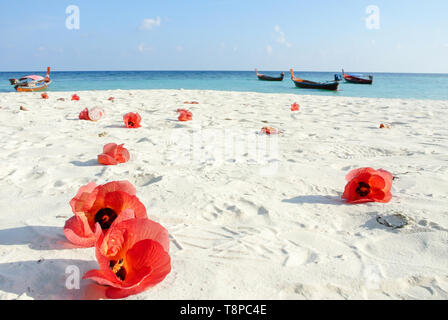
x,y
118,269
130,123
363,189
105,217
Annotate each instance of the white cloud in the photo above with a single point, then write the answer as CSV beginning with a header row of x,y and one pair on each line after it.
x,y
281,36
269,49
143,48
148,24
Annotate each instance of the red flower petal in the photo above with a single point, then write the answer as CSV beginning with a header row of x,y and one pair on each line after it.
x,y
123,185
357,172
110,149
141,245
84,114
132,120
113,154
78,232
153,264
295,106
185,115
79,201
150,253
377,182
122,154
106,160
103,277
387,176
269,130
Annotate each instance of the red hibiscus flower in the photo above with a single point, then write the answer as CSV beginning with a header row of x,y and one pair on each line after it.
x,y
368,185
132,120
75,97
269,130
44,96
295,106
132,256
113,154
97,207
84,114
184,115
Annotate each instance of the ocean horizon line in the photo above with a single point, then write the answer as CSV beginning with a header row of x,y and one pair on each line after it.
x,y
249,70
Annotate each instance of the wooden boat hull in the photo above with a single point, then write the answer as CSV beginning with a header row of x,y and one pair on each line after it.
x,y
269,78
306,84
317,85
353,79
36,88
358,80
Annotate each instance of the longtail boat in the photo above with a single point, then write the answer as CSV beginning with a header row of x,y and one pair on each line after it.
x,y
32,83
305,84
357,78
269,78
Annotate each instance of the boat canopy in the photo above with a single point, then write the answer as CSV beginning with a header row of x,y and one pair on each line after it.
x,y
32,77
359,75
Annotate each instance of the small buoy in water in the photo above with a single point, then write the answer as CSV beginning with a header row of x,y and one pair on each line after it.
x,y
394,221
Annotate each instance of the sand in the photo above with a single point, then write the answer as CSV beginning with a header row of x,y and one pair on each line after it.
x,y
249,216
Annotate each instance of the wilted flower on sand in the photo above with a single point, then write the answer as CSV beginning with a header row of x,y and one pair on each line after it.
x,y
132,256
269,130
113,154
184,115
96,207
132,120
368,185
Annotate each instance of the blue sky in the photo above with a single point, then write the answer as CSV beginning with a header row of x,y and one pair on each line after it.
x,y
321,35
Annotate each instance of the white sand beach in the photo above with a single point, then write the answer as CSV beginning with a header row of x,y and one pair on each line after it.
x,y
242,226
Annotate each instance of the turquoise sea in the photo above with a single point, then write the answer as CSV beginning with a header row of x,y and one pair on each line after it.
x,y
385,85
